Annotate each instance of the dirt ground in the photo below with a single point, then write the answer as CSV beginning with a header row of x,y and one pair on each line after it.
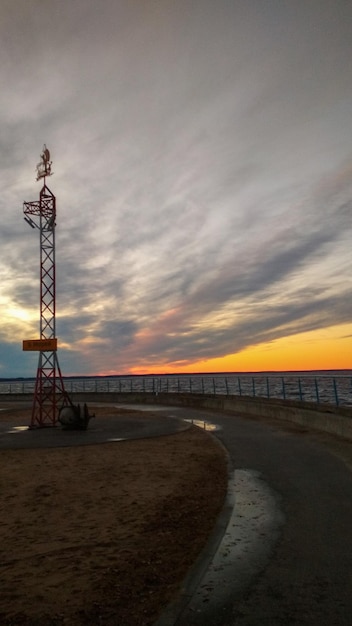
x,y
104,534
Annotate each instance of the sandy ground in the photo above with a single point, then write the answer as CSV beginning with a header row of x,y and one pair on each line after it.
x,y
104,534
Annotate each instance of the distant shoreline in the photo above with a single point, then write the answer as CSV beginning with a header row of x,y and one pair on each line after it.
x,y
337,372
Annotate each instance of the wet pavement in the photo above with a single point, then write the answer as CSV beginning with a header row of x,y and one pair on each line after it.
x,y
100,430
283,554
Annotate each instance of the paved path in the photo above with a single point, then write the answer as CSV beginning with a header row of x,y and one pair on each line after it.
x,y
305,575
100,430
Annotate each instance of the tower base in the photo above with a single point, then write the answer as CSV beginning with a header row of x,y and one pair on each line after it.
x,y
49,392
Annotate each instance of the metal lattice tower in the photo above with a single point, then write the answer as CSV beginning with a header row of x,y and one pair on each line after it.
x,y
49,392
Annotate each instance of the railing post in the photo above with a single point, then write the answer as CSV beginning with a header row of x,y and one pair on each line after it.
x,y
335,391
239,386
317,391
300,390
227,386
202,385
214,387
190,385
283,389
267,388
253,387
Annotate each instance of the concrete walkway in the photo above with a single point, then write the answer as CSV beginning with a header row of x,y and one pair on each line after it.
x,y
288,539
100,430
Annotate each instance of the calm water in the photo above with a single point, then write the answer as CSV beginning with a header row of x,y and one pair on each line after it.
x,y
333,387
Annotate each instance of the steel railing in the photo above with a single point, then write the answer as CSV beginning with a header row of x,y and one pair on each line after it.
x,y
336,390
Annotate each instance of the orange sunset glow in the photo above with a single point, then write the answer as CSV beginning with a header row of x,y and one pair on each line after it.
x,y
328,349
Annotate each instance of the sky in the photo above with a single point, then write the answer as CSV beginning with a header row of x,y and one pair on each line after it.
x,y
202,160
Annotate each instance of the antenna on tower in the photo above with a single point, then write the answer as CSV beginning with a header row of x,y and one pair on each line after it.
x,y
44,166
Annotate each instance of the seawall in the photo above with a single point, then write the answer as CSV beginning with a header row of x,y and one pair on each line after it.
x,y
323,417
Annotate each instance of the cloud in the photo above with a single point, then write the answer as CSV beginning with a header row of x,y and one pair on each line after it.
x,y
202,169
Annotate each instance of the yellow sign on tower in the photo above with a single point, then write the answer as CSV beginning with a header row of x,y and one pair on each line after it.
x,y
41,345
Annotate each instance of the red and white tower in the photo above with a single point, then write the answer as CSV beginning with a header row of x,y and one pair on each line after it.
x,y
49,392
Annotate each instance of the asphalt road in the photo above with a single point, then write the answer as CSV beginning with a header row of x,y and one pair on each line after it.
x,y
303,571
